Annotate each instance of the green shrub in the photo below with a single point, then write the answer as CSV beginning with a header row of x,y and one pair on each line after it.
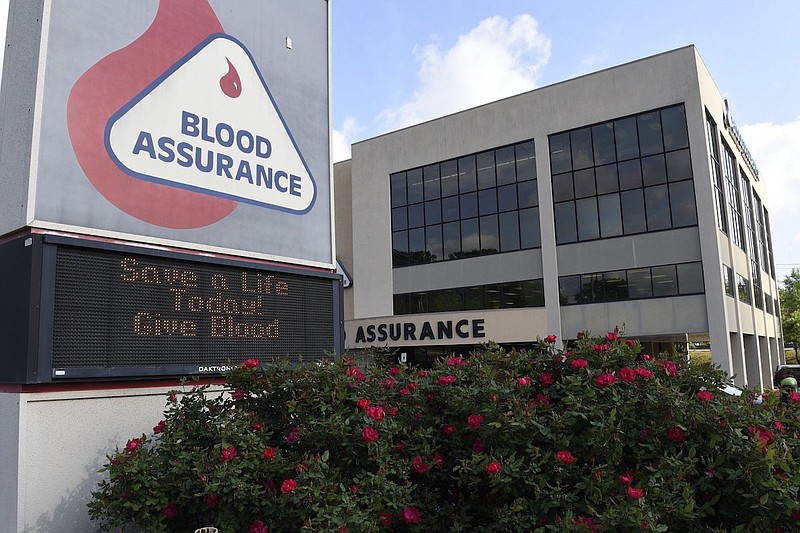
x,y
598,438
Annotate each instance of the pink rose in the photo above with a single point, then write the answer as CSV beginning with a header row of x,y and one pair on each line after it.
x,y
258,527
523,382
455,361
411,515
626,479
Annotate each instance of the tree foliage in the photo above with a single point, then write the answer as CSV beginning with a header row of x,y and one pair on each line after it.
x,y
597,438
790,308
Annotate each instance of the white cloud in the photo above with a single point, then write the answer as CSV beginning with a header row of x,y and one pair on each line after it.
x,y
498,58
774,148
341,140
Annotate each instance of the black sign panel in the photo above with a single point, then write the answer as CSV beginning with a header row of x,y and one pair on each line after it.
x,y
77,309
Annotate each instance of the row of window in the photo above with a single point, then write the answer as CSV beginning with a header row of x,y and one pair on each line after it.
x,y
738,209
479,204
632,284
527,293
623,177
747,292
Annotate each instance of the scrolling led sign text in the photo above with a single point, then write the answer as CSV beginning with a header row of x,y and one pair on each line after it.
x,y
127,311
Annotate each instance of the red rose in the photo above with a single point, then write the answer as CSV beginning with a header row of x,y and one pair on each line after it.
x,y
705,396
611,337
795,397
606,379
387,383
578,363
172,397
647,357
158,428
420,466
475,421
269,453
630,342
627,374
251,363
635,493
600,347
438,458
133,445
404,392
477,446
363,403
541,400
587,522
170,511
229,453
394,371
523,382
676,434
565,457
777,425
384,519
392,410
455,361
493,468
670,368
258,527
369,434
354,489
449,429
288,486
238,395
546,379
212,500
356,374
446,380
626,479
550,339
411,515
375,413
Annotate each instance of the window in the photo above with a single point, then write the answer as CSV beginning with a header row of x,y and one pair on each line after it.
x,y
623,177
727,276
743,288
478,204
632,284
716,173
525,293
734,195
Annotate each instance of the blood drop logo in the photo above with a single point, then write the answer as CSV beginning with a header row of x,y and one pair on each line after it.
x,y
180,144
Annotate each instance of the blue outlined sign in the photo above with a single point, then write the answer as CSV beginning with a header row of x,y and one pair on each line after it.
x,y
210,125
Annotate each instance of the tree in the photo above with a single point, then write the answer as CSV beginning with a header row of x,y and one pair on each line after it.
x,y
790,308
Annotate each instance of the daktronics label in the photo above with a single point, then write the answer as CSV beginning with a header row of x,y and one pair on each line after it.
x,y
210,125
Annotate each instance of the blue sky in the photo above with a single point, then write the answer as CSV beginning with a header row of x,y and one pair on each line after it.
x,y
398,63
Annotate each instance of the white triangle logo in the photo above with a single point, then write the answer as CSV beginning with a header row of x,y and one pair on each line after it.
x,y
210,125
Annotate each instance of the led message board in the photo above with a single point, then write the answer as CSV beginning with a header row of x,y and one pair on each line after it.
x,y
111,311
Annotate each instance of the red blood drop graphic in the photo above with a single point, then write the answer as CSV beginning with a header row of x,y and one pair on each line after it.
x,y
112,82
230,82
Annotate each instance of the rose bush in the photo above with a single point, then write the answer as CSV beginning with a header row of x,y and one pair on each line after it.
x,y
597,438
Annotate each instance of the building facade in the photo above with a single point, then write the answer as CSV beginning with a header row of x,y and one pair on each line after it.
x,y
624,198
